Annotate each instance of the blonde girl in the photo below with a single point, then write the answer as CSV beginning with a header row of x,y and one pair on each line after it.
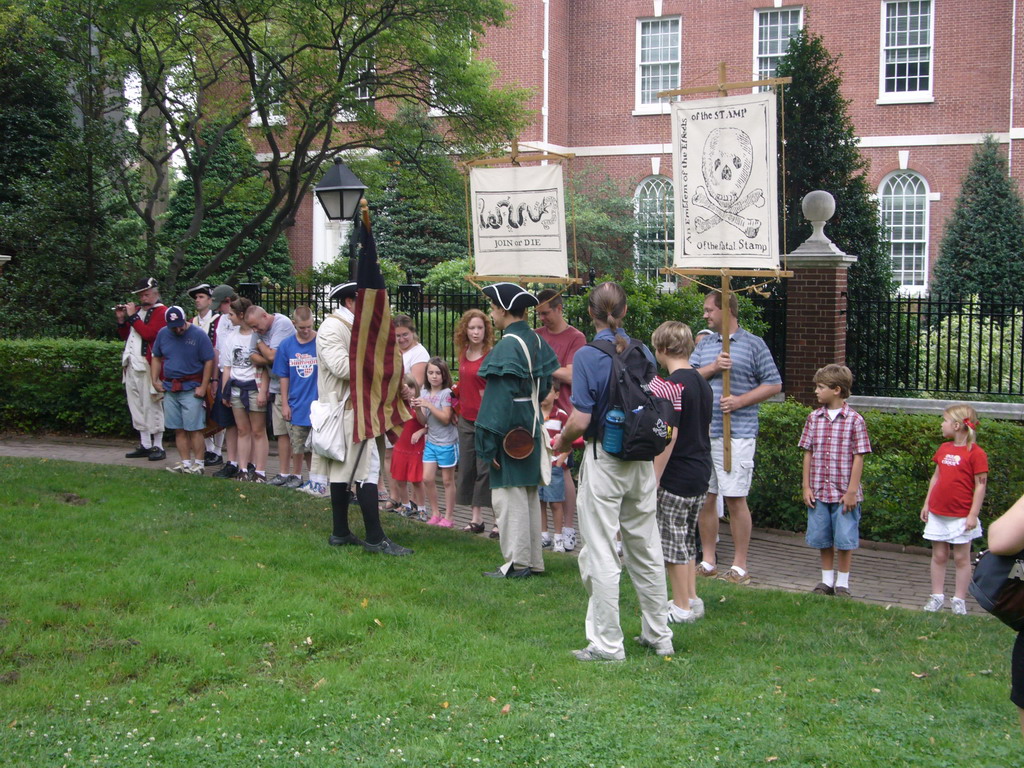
x,y
953,503
245,386
434,410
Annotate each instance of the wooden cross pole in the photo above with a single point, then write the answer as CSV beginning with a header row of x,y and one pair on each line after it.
x,y
726,327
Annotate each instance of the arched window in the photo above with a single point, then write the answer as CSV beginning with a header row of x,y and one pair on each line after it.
x,y
903,202
654,207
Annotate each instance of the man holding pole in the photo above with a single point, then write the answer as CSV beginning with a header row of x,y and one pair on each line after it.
x,y
742,375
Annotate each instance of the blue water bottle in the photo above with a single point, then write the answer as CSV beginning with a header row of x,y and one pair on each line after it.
x,y
613,421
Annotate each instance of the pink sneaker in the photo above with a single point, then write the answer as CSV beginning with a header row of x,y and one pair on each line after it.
x,y
435,520
444,522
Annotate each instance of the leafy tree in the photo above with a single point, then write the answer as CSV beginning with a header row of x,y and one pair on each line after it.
x,y
605,225
303,77
982,248
240,203
69,234
821,153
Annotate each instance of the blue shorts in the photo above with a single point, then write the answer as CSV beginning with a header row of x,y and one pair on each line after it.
x,y
555,490
183,410
444,456
828,526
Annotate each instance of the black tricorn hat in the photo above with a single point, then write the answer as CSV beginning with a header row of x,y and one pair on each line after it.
x,y
201,288
144,284
511,297
343,291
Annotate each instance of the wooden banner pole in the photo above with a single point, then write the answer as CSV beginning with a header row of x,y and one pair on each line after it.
x,y
726,328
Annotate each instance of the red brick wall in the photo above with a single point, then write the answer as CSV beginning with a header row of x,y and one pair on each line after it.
x,y
815,326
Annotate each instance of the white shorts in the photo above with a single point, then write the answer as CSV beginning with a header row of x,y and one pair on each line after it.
x,y
950,529
734,484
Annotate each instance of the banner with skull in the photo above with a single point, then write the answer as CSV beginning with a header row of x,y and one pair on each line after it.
x,y
519,221
726,170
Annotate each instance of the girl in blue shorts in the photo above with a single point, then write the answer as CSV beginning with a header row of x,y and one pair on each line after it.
x,y
441,449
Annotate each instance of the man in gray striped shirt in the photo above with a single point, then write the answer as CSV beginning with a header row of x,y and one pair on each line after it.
x,y
753,379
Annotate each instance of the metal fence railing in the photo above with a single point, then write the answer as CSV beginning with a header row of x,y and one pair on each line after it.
x,y
932,347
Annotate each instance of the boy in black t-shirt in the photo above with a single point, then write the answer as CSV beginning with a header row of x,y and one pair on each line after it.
x,y
683,469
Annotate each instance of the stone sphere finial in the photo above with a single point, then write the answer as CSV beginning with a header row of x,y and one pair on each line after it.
x,y
818,207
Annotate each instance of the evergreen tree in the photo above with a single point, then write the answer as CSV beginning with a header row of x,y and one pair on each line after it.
x,y
233,156
821,153
982,250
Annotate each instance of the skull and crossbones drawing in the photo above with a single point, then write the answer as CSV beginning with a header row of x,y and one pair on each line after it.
x,y
726,164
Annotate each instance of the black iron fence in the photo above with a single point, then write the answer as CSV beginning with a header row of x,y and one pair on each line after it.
x,y
930,347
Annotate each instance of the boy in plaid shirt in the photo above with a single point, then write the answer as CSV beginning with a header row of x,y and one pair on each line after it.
x,y
835,439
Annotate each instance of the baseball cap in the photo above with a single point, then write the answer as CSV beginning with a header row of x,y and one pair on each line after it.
x,y
175,317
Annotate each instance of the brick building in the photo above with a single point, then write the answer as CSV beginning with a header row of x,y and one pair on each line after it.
x,y
926,80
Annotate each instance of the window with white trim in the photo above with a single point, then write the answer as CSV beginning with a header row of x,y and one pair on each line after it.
x,y
774,30
654,208
269,84
903,204
906,68
363,89
658,60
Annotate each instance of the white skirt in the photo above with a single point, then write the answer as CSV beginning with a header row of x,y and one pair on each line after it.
x,y
949,529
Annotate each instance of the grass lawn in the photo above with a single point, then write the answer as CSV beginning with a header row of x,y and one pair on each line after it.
x,y
153,619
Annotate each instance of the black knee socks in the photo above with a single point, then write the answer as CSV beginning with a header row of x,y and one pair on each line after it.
x,y
339,508
368,503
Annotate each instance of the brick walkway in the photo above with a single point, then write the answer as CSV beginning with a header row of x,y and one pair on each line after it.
x,y
882,574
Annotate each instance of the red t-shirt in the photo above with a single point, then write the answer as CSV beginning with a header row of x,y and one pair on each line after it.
x,y
565,345
471,387
954,490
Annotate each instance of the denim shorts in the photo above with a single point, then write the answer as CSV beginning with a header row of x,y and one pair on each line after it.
x,y
554,491
444,456
828,526
183,410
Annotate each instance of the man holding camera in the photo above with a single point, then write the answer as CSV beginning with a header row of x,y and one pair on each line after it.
x,y
138,325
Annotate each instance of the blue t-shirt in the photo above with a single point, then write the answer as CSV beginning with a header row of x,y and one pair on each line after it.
x,y
183,355
297,362
752,365
591,369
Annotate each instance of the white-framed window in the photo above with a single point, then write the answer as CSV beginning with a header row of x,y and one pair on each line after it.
x,y
269,83
363,88
654,208
905,70
658,61
773,30
903,205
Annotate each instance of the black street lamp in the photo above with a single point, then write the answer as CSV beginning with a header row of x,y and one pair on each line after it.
x,y
339,192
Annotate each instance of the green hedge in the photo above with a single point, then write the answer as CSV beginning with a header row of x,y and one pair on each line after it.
x,y
63,385
896,473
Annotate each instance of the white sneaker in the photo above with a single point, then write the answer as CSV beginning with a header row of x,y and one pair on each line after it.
x,y
569,539
319,490
179,468
959,606
545,540
195,469
559,545
677,615
935,603
618,548
697,606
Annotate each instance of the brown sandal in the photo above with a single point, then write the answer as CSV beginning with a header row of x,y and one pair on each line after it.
x,y
474,528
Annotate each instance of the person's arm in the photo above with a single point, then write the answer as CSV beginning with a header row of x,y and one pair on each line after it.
x,y
928,493
850,497
1006,535
574,428
661,460
200,391
419,372
720,363
980,484
263,390
286,409
808,492
758,394
263,355
154,373
225,391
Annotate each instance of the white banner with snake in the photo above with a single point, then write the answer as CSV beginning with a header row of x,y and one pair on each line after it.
x,y
519,221
725,162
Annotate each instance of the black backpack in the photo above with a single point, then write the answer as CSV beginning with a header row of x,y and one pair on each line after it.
x,y
646,432
998,586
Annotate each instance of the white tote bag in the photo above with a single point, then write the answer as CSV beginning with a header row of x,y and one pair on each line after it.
x,y
327,435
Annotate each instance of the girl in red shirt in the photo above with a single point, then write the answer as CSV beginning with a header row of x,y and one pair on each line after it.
x,y
474,337
951,508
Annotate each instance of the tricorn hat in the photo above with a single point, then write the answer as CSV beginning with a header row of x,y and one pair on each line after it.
x,y
201,288
144,284
343,291
511,297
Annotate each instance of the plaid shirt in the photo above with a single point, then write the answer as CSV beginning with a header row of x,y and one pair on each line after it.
x,y
833,444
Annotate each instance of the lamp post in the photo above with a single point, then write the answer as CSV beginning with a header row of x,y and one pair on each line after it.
x,y
339,192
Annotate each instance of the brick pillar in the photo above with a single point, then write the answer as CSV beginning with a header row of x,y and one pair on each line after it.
x,y
815,302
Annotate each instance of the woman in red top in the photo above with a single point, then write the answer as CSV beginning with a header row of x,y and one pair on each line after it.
x,y
951,509
474,337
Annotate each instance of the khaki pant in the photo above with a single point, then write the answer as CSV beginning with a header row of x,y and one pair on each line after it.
x,y
147,411
616,495
517,512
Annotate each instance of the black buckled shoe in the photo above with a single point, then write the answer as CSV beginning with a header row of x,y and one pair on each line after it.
x,y
212,459
349,540
511,573
138,453
387,547
228,471
157,454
